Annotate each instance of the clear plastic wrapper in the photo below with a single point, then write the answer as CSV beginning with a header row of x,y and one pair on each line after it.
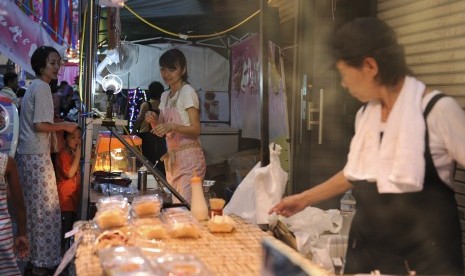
x,y
181,223
116,200
146,206
109,239
112,212
175,211
148,233
114,189
128,261
221,224
151,232
150,248
86,229
180,265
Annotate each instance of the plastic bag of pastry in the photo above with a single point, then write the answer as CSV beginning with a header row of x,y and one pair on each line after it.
x,y
148,228
181,264
123,260
111,218
221,224
112,201
175,211
146,206
184,230
110,239
151,232
112,212
181,223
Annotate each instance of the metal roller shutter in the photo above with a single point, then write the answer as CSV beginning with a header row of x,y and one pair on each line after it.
x,y
433,34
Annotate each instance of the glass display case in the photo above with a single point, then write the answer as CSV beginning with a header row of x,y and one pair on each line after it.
x,y
112,156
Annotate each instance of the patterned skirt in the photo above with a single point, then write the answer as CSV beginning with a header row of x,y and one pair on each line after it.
x,y
38,181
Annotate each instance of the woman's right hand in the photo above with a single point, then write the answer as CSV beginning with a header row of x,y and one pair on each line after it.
x,y
289,205
151,117
69,126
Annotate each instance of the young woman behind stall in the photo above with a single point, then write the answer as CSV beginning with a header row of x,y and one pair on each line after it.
x,y
179,121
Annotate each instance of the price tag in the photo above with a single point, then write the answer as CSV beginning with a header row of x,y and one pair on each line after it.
x,y
71,233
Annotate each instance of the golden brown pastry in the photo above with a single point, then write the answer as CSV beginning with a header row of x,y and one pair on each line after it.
x,y
146,208
151,232
185,230
221,224
110,219
110,239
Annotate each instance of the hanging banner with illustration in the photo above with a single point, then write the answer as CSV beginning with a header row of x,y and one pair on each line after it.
x,y
20,35
245,102
277,99
245,98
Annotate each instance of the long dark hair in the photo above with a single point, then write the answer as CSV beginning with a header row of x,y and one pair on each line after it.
x,y
172,59
371,37
39,58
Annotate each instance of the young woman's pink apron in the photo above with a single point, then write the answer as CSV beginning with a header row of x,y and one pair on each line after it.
x,y
184,157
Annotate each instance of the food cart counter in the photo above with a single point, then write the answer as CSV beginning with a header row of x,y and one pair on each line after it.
x,y
236,253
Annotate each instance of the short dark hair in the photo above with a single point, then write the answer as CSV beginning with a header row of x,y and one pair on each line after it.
x,y
20,92
172,59
39,58
9,77
371,37
155,90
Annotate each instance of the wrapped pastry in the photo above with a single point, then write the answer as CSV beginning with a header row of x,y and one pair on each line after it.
x,y
221,224
185,230
110,239
181,223
146,206
108,219
152,232
112,212
125,261
181,264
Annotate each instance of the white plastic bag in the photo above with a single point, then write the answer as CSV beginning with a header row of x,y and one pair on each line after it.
x,y
242,202
308,224
270,183
260,190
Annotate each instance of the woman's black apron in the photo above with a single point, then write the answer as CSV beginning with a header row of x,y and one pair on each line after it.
x,y
397,233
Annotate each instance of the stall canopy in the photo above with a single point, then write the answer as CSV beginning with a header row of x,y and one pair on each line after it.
x,y
189,17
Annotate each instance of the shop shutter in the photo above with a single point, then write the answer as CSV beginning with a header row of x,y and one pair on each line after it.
x,y
433,34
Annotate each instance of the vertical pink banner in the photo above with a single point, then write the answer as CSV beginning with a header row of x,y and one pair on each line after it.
x,y
245,102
